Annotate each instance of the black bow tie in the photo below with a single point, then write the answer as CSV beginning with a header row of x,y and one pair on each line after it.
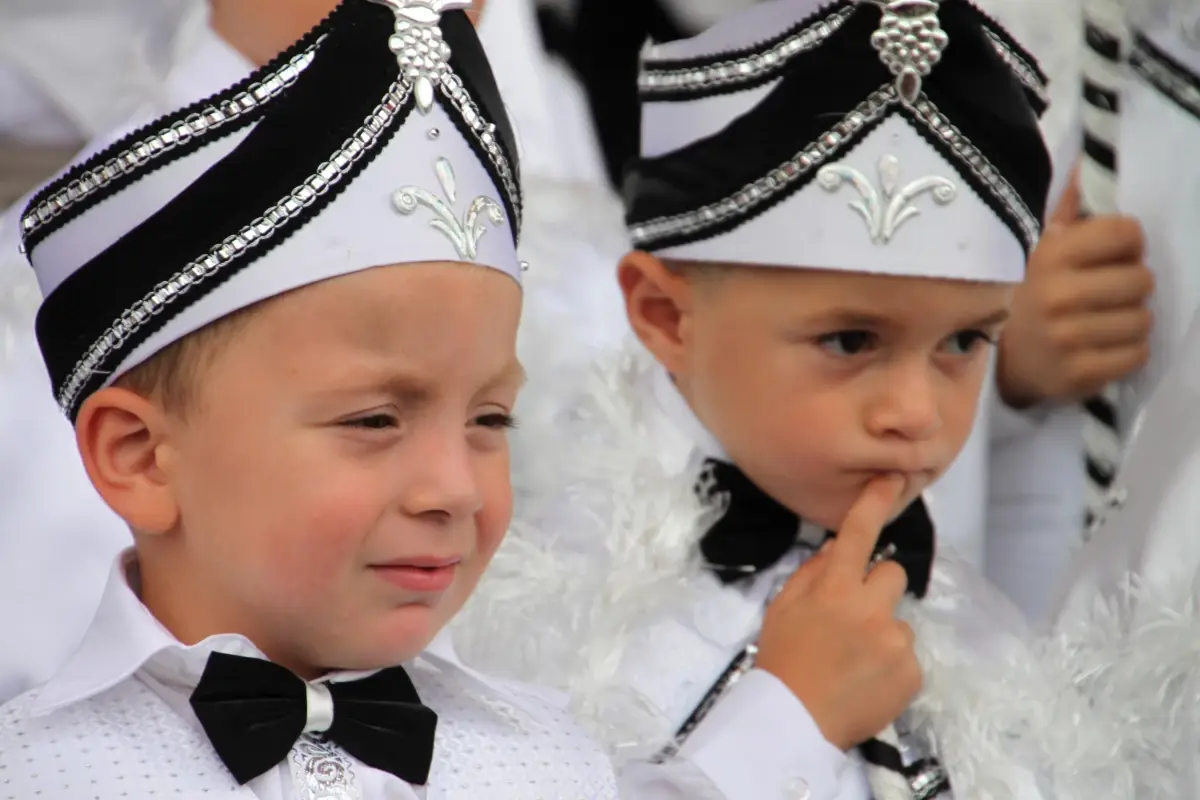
x,y
254,711
756,531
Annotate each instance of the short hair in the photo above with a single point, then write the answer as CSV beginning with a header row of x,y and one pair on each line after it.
x,y
701,270
171,375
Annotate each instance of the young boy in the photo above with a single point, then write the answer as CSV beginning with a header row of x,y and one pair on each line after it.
x,y
283,323
831,208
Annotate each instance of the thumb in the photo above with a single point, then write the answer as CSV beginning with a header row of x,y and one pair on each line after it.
x,y
1068,209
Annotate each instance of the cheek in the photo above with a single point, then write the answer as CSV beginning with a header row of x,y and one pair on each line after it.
x,y
960,405
493,518
300,517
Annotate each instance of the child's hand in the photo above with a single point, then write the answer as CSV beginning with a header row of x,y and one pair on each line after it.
x,y
832,636
1081,319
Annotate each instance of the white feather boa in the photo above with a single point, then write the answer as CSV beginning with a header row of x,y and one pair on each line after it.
x,y
560,602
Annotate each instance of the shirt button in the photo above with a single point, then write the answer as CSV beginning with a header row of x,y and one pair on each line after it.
x,y
798,790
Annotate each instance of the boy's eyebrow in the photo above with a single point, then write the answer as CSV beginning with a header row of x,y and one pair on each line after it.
x,y
858,318
995,318
513,374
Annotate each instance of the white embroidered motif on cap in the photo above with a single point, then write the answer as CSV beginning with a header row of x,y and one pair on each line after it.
x,y
423,55
464,234
910,41
883,220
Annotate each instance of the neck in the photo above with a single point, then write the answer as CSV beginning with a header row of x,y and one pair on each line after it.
x,y
262,29
193,612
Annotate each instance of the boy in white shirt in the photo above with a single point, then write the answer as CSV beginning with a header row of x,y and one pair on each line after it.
x,y
283,323
832,206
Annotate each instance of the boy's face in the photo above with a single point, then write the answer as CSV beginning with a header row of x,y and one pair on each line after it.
x,y
342,478
816,381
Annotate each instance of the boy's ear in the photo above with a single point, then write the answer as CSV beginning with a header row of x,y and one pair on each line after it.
x,y
127,453
659,304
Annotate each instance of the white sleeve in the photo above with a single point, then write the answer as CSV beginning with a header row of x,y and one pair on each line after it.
x,y
1035,502
758,743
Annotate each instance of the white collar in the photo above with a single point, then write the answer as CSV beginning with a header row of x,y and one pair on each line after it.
x,y
125,638
674,407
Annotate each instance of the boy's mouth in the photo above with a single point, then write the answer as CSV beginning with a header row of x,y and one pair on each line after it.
x,y
421,575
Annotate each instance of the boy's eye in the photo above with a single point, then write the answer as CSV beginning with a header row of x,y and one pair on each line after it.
x,y
497,421
374,422
847,343
964,342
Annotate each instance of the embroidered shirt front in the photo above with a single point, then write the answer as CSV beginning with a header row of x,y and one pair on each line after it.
x,y
116,721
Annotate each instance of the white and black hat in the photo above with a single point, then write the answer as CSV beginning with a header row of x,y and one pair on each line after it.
x,y
890,137
380,138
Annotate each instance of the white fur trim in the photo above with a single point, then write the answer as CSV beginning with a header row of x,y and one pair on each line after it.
x,y
559,605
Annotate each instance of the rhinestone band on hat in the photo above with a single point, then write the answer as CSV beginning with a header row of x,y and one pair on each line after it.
x,y
815,154
774,57
745,69
764,189
152,147
984,170
1024,71
328,175
485,134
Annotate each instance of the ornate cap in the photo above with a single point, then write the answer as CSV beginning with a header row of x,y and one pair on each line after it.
x,y
894,137
380,138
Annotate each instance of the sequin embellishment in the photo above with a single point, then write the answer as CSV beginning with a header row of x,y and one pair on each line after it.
x,y
885,211
464,234
423,55
322,771
910,41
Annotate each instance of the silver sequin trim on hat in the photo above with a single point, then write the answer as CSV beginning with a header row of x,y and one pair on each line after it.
x,y
817,153
485,134
1178,86
1024,71
757,65
149,149
740,70
329,174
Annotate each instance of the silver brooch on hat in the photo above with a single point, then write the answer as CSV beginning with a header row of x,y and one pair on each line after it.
x,y
464,234
910,41
422,53
884,212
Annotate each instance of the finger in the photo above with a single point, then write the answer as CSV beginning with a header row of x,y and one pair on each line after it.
x,y
805,575
1105,329
1092,371
1097,241
855,544
1104,288
1068,208
887,582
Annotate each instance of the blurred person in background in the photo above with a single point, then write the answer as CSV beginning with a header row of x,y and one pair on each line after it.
x,y
1013,502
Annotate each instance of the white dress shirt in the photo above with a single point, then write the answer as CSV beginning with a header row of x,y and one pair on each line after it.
x,y
116,721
